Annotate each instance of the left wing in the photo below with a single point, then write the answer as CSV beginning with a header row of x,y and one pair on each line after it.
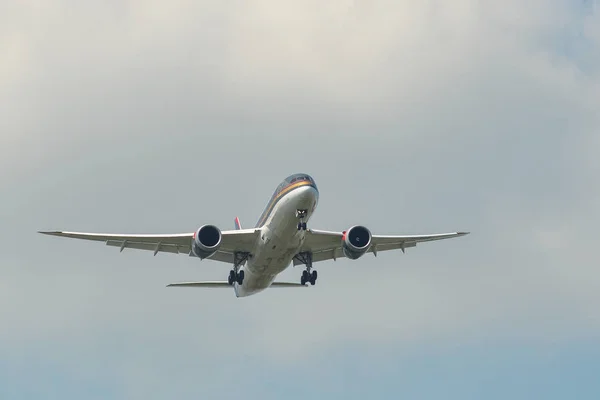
x,y
327,245
236,240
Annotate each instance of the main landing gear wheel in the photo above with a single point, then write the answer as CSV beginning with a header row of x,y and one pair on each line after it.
x,y
308,275
301,226
235,275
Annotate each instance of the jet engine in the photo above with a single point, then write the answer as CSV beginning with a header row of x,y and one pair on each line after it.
x,y
356,242
206,241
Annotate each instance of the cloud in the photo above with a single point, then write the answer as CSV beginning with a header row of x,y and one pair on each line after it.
x,y
413,117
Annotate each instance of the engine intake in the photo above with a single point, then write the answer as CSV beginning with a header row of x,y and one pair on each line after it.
x,y
356,242
206,241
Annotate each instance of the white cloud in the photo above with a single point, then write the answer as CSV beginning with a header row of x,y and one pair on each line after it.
x,y
122,116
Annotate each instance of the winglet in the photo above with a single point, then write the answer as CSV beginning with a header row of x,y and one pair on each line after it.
x,y
238,226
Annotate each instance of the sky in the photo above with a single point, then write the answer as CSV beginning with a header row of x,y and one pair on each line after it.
x,y
412,117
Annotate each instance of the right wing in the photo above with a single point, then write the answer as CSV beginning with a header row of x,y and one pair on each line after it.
x,y
241,240
327,245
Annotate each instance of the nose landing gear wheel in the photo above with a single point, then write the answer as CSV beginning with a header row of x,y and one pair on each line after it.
x,y
301,214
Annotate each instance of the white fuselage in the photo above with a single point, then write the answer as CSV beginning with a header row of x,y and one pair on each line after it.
x,y
279,241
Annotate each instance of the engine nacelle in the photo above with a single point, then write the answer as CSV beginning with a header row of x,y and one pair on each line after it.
x,y
206,241
356,242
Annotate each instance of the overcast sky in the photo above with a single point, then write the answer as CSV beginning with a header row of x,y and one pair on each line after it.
x,y
413,117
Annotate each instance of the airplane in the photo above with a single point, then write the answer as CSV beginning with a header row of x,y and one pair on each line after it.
x,y
279,238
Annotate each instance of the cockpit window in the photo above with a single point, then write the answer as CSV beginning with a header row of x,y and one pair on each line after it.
x,y
298,178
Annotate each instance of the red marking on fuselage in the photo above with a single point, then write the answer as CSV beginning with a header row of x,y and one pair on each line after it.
x,y
344,235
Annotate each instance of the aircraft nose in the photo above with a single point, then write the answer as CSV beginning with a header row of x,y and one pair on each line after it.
x,y
310,195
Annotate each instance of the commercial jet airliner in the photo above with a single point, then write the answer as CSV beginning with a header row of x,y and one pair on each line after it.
x,y
280,238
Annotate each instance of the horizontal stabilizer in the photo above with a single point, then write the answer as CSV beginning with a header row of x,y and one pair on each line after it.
x,y
215,284
287,284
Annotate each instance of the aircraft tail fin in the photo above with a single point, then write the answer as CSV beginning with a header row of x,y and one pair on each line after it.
x,y
238,226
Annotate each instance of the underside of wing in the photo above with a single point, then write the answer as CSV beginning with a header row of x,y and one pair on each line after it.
x,y
327,245
170,243
241,240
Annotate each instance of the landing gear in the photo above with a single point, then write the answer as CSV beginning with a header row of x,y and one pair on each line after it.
x,y
301,214
235,275
308,275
